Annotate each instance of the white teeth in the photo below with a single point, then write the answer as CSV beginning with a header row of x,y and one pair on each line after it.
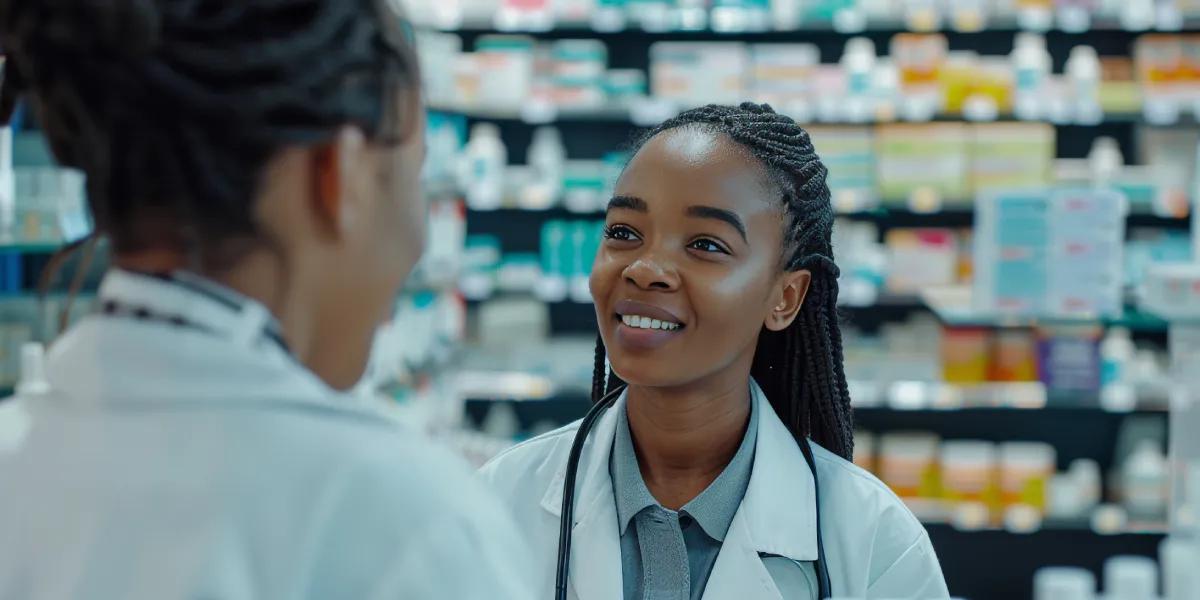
x,y
638,322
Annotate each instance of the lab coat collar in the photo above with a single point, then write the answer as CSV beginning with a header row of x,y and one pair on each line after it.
x,y
227,355
777,515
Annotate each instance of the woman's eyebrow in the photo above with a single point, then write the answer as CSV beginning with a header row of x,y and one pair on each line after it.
x,y
719,214
629,203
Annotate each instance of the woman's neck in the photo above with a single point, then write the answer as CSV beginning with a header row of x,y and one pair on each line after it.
x,y
685,437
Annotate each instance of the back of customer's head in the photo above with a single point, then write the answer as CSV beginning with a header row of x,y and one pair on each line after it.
x,y
245,140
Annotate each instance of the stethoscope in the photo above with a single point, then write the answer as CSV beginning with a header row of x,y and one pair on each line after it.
x,y
568,502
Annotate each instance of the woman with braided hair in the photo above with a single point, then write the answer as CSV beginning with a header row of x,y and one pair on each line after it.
x,y
255,166
716,293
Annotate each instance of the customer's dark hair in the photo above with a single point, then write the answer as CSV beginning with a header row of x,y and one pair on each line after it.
x,y
800,368
173,107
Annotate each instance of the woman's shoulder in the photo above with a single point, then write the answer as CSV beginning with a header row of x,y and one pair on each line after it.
x,y
535,456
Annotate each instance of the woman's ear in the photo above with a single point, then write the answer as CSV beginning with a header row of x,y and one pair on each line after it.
x,y
789,299
334,179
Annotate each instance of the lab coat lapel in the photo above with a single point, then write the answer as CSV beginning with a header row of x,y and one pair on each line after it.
x,y
739,572
596,553
777,515
595,549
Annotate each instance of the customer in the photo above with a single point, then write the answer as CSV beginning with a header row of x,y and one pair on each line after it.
x,y
255,166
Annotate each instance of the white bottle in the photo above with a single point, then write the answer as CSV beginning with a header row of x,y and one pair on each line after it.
x,y
1144,477
1086,474
1130,578
1083,72
1116,356
858,63
1031,65
547,158
1063,583
483,173
1105,161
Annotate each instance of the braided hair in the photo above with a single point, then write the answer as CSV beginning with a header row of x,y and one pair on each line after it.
x,y
174,107
800,368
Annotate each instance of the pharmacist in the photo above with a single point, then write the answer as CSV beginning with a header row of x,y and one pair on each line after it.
x,y
714,463
257,176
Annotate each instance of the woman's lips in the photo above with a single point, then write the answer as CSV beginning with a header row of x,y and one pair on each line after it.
x,y
642,326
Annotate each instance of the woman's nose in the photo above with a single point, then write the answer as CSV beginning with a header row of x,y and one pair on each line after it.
x,y
650,273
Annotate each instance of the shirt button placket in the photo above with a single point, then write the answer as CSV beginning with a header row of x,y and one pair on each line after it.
x,y
665,573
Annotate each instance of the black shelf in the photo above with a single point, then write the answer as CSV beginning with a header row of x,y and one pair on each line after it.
x,y
998,565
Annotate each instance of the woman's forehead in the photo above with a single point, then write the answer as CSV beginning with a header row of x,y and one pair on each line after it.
x,y
696,160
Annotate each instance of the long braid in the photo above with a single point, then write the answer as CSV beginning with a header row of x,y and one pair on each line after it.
x,y
800,369
173,107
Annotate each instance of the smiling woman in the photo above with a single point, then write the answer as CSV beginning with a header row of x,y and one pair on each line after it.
x,y
715,293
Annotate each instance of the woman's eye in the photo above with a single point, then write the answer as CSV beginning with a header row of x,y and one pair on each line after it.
x,y
705,245
619,233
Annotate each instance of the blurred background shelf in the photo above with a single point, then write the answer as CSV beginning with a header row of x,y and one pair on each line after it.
x,y
971,560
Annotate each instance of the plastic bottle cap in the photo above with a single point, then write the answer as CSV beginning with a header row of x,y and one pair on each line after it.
x,y
1063,583
484,129
1130,578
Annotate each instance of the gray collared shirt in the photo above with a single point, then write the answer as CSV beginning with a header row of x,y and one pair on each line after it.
x,y
667,554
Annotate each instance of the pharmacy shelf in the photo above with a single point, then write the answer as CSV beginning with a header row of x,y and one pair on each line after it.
x,y
990,24
999,565
533,115
956,213
1077,427
573,318
953,305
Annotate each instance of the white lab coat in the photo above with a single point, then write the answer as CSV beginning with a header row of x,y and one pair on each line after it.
x,y
171,463
874,547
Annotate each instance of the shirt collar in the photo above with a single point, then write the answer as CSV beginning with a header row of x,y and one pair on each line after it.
x,y
778,511
713,509
113,358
